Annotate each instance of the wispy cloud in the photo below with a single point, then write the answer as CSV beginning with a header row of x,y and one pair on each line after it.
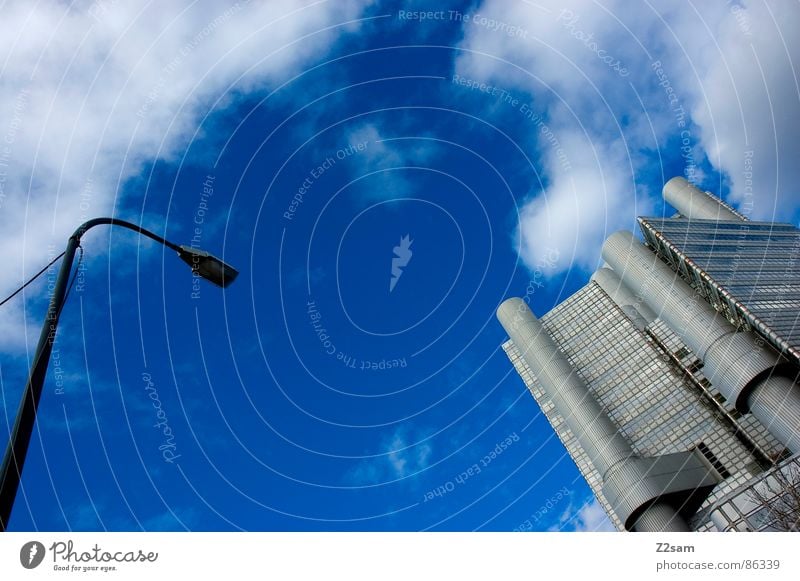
x,y
97,515
587,517
404,453
172,519
381,167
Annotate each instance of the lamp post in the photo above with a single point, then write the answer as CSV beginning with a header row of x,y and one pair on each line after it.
x,y
203,263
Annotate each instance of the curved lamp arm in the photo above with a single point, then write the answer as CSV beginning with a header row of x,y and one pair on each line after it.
x,y
204,264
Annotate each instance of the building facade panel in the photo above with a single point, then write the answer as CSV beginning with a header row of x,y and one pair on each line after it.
x,y
634,381
654,389
750,271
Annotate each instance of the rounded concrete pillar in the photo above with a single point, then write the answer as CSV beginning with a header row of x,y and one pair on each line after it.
x,y
597,434
660,517
610,282
694,203
741,367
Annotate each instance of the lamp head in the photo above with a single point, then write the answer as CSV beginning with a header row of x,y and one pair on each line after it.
x,y
208,266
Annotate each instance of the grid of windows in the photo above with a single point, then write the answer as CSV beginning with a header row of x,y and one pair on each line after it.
x,y
636,383
633,381
742,510
750,271
690,363
749,426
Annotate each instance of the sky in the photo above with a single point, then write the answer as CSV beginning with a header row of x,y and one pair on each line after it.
x,y
383,175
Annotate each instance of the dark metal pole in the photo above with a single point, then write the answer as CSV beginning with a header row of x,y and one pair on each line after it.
x,y
17,449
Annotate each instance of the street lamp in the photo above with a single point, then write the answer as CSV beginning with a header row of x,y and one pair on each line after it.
x,y
203,263
208,266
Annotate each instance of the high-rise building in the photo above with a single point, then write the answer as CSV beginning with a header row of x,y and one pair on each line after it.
x,y
670,377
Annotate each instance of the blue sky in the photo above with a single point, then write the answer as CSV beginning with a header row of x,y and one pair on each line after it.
x,y
302,142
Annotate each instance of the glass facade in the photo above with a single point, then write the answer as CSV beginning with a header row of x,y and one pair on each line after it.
x,y
652,386
642,389
749,271
765,502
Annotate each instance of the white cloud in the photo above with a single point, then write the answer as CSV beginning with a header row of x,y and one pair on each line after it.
x,y
567,223
382,162
749,100
404,459
91,91
588,69
398,459
589,517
